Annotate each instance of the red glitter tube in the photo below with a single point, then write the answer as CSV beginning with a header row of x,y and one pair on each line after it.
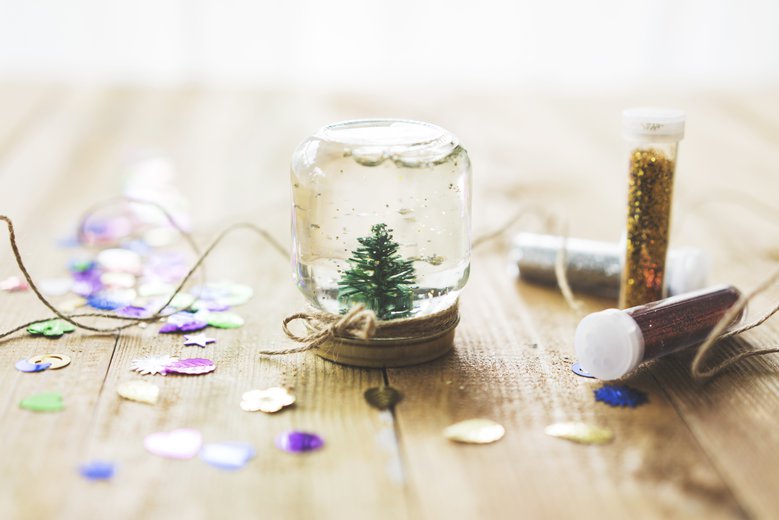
x,y
611,343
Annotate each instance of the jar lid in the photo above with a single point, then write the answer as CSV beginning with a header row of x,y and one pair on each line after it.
x,y
371,141
654,123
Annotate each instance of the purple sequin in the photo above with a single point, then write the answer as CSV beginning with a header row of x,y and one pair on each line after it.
x,y
87,282
132,311
191,366
188,326
620,395
299,442
166,267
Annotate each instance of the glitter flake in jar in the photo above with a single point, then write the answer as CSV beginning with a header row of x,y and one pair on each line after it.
x,y
378,200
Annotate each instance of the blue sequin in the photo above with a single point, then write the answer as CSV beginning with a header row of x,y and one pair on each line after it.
x,y
103,304
97,470
620,395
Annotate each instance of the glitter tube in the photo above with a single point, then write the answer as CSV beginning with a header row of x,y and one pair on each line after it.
x,y
595,268
612,343
653,135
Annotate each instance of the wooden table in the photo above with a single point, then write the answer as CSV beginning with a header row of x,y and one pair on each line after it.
x,y
695,451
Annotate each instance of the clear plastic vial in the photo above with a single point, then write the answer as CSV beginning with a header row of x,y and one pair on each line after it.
x,y
612,343
594,267
653,136
381,216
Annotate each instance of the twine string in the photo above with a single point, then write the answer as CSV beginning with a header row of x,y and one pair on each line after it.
x,y
719,333
360,322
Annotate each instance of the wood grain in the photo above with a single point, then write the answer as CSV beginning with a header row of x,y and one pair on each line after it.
x,y
694,451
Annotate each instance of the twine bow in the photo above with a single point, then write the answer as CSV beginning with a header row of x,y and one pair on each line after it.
x,y
359,322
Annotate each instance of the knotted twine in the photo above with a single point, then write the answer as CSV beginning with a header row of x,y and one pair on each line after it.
x,y
361,323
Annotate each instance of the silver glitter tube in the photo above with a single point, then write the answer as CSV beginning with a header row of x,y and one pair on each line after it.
x,y
595,268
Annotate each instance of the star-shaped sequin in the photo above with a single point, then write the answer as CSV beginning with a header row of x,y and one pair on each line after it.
x,y
201,340
152,364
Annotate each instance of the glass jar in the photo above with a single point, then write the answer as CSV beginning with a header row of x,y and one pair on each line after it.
x,y
653,136
381,216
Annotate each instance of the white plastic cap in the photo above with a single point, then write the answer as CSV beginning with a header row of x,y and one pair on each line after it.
x,y
608,344
653,123
687,270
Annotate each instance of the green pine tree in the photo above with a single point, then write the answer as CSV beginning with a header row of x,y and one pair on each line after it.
x,y
378,277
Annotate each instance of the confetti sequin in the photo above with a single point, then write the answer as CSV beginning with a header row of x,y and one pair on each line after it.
x,y
24,365
299,442
227,455
191,366
51,328
189,326
55,361
102,303
582,433
269,401
579,371
120,261
475,431
183,443
224,320
97,470
226,293
620,395
383,397
14,284
55,286
201,340
152,364
140,391
134,311
45,402
117,280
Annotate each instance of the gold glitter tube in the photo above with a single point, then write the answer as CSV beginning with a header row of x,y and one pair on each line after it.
x,y
653,135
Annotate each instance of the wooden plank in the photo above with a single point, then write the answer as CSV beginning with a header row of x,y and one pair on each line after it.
x,y
734,415
43,449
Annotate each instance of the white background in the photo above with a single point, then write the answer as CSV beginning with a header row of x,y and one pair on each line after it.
x,y
552,44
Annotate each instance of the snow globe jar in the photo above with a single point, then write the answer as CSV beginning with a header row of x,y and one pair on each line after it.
x,y
381,218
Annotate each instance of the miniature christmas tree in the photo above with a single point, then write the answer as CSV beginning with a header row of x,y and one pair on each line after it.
x,y
379,277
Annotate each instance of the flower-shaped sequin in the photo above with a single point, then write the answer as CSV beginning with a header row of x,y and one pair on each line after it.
x,y
269,401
